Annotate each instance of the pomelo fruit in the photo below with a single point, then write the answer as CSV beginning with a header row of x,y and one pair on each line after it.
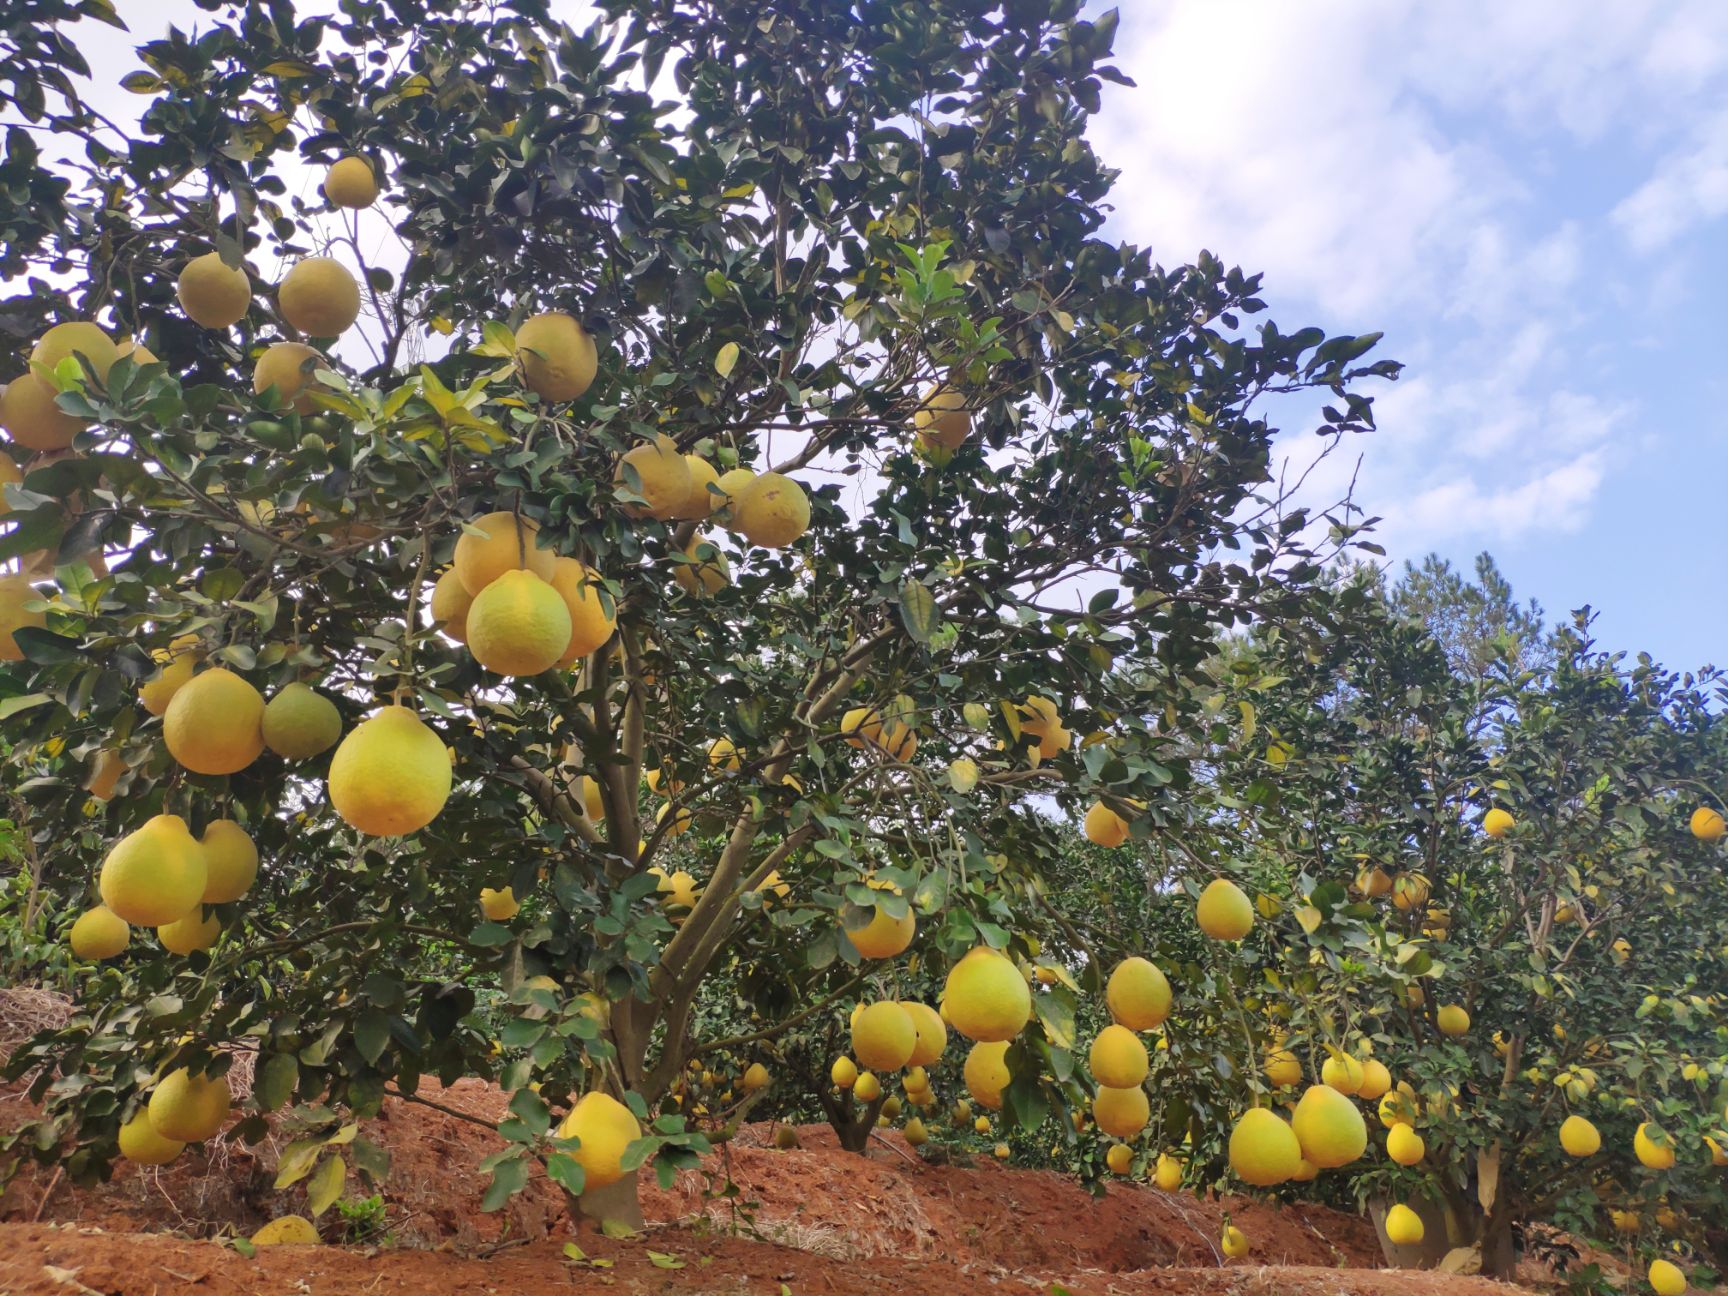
x,y
1264,1150
1404,1226
190,934
1405,1146
867,1088
1653,1147
105,774
1497,822
498,904
1453,1021
883,936
154,875
450,603
701,501
606,1128
755,1077
15,592
215,723
986,1073
1138,994
844,1073
1121,1112
1329,1128
1376,1080
1118,1058
1104,827
391,775
231,862
300,723
212,293
519,625
1119,1159
30,416
557,355
707,572
1708,824
1167,1175
99,933
1579,1137
350,183
941,418
1666,1278
656,472
139,1142
985,998
287,367
590,623
772,512
1224,912
318,297
179,662
187,1107
1233,1243
80,338
497,543
884,1036
932,1033
286,1230
1283,1068
1341,1072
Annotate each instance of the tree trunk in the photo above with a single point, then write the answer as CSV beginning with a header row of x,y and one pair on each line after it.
x,y
1448,1222
1499,1252
616,1204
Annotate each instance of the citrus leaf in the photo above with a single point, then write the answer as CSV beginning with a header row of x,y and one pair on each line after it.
x,y
918,611
726,359
325,1186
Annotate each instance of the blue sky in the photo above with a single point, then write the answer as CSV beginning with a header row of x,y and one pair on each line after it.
x,y
1531,200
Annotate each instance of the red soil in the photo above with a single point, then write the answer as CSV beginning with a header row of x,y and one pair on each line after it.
x,y
814,1220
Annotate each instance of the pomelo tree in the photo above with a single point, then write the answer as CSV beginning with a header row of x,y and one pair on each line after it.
x,y
632,464
1513,823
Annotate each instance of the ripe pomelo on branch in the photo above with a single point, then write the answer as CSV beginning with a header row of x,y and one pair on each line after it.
x,y
884,1036
986,1073
189,1107
591,624
882,936
215,724
1264,1150
15,592
213,293
80,338
99,933
557,356
30,416
155,874
495,543
140,1143
319,297
300,723
231,862
287,367
656,472
518,625
191,934
1138,994
985,998
351,183
391,775
606,1128
772,511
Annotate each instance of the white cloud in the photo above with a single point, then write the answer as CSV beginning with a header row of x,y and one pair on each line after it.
x,y
1436,171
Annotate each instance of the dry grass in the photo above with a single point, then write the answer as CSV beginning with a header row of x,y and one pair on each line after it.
x,y
24,1011
818,1239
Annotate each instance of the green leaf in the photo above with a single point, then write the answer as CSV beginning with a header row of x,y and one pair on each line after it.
x,y
918,611
372,1034
296,1161
663,1260
275,1081
326,1185
565,1171
508,1178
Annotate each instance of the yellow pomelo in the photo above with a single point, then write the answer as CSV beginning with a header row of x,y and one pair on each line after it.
x,y
154,875
883,936
658,474
450,603
1104,827
1453,1020
1343,1073
867,1088
915,1132
188,1107
590,623
1653,1147
10,474
932,1034
1666,1278
733,483
772,512
1373,882
15,592
557,356
1138,994
1120,1158
1376,1080
319,297
986,1073
985,998
1404,1226
1398,1108
231,862
80,338
591,799
844,1073
707,571
1121,1113
190,934
300,723
350,183
861,727
213,294
497,543
1718,1153
179,662
1224,912
287,1230
1410,891
105,774
1579,1137
390,775
1283,1068
884,1036
1118,1058
1404,1145
99,933
136,351
723,755
701,501
215,724
755,1077
519,625
288,367
1264,1149
1329,1128
1708,824
1233,1243
941,418
499,904
34,421
606,1127
1496,823
1167,1175
140,1142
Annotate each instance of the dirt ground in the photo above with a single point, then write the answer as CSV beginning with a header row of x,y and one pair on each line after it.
x,y
813,1221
